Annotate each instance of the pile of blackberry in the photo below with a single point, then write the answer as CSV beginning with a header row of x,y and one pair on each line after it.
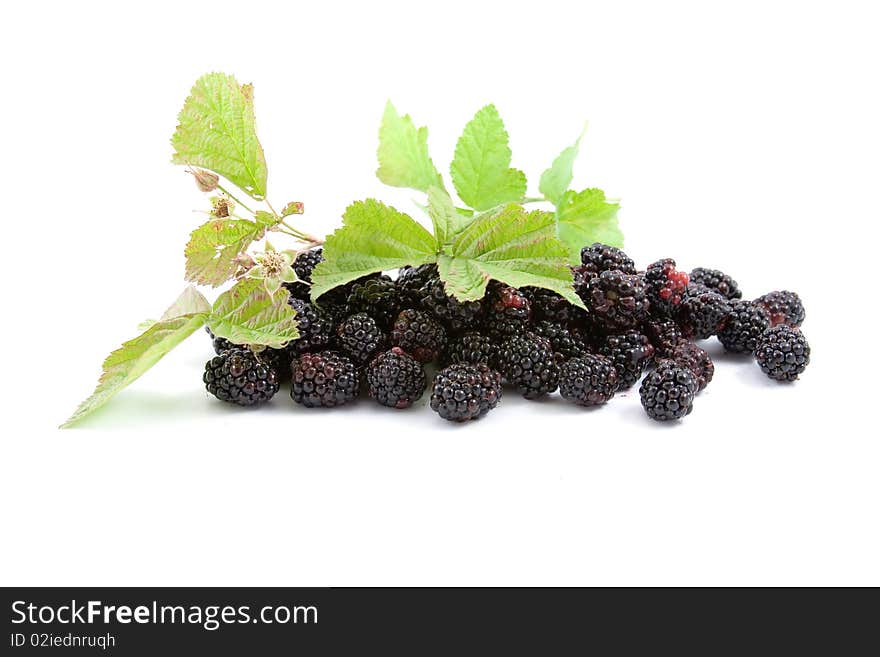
x,y
399,338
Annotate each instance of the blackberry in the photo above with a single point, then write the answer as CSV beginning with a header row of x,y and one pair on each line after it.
x,y
315,325
565,343
616,301
238,377
528,363
697,360
473,348
464,392
378,297
702,313
588,380
278,360
419,334
667,287
783,353
304,265
325,378
745,325
784,308
360,337
221,344
601,257
410,281
395,378
667,393
630,352
457,316
717,281
664,336
548,306
506,312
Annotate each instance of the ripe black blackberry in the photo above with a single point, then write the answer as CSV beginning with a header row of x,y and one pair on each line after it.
x,y
464,392
473,348
664,336
565,343
238,377
667,287
630,352
220,344
616,301
784,307
506,311
547,305
325,378
601,257
419,334
395,378
783,353
378,297
411,280
360,337
745,325
589,380
702,313
304,265
457,316
717,281
528,363
316,327
667,393
697,360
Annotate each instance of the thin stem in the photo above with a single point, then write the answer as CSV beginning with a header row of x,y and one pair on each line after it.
x,y
229,194
305,236
269,205
533,199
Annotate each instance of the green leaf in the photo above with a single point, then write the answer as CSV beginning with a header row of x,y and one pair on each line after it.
x,y
214,246
374,237
248,314
136,356
556,179
480,170
510,245
587,217
294,207
448,221
403,153
217,131
265,218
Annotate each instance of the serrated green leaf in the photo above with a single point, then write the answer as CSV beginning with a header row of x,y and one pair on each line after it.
x,y
374,237
556,179
265,218
510,245
480,170
214,246
217,131
248,314
294,207
587,217
448,221
136,356
403,153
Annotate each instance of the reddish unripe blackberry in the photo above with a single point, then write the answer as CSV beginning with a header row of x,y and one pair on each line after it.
x,y
630,352
457,316
589,380
239,377
716,280
547,305
528,363
378,297
326,378
419,334
664,336
465,392
697,360
702,313
667,393
667,287
360,337
601,257
473,348
744,326
565,343
395,378
783,353
784,307
616,301
316,327
506,311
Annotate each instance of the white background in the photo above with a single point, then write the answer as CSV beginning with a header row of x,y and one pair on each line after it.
x,y
739,137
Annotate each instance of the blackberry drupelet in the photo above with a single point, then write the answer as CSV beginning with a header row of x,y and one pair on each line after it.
x,y
419,334
616,301
548,306
784,307
697,360
395,378
238,377
506,312
457,316
360,337
667,393
667,287
325,378
473,348
664,336
316,327
528,363
464,392
702,313
745,325
565,343
588,380
411,280
304,265
601,257
716,280
630,352
783,353
378,297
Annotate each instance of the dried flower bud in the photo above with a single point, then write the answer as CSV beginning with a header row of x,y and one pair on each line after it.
x,y
222,207
205,180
